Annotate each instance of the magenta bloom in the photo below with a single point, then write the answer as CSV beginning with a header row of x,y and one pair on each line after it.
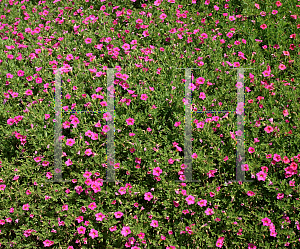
x,y
26,206
148,196
93,234
88,152
122,190
105,128
282,67
251,150
48,243
118,214
154,223
202,203
20,73
202,95
144,97
28,92
92,206
190,199
261,176
209,211
263,26
10,121
81,230
157,171
70,142
130,121
125,231
88,40
65,208
268,129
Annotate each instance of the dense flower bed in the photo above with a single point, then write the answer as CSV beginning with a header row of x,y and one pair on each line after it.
x,y
145,42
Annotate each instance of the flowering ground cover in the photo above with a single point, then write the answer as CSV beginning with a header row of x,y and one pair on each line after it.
x,y
247,54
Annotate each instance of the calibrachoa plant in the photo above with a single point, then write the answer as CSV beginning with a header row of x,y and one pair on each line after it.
x,y
145,42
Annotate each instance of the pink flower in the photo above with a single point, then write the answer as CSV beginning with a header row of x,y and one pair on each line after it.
x,y
105,128
287,53
190,199
88,40
163,16
92,206
87,174
268,129
126,46
261,176
99,216
200,80
285,113
118,214
236,64
26,206
154,223
194,156
65,208
202,95
122,190
144,97
250,193
130,121
209,211
282,67
20,73
93,234
231,18
125,231
2,187
245,167
278,3
170,161
220,242
239,85
28,92
70,142
280,196
251,150
176,203
48,243
202,203
177,124
251,246
240,108
266,221
263,26
38,80
157,171
69,57
107,116
277,158
81,230
14,95
88,152
68,162
9,76
10,121
148,196
47,116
